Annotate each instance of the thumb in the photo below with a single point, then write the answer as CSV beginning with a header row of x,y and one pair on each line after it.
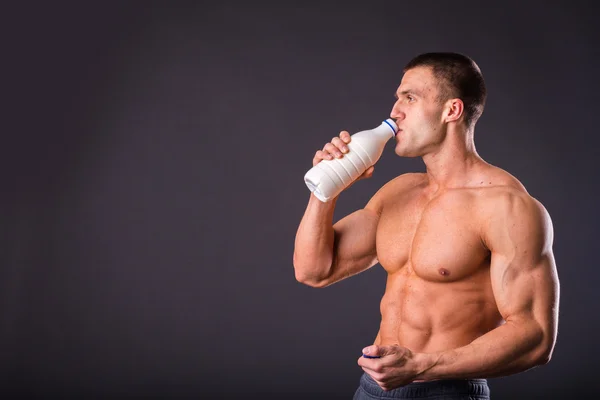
x,y
372,351
368,173
375,351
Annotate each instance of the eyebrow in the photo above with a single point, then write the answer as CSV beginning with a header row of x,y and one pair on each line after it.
x,y
405,92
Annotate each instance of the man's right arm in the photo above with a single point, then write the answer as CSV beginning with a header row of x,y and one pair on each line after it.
x,y
325,253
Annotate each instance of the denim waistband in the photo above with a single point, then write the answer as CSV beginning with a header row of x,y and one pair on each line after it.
x,y
456,387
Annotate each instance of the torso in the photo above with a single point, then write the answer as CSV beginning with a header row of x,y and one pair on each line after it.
x,y
438,293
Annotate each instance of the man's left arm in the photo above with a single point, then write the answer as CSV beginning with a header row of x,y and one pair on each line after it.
x,y
526,290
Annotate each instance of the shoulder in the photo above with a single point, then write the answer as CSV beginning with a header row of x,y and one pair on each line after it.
x,y
511,215
503,195
403,183
511,203
400,186
507,210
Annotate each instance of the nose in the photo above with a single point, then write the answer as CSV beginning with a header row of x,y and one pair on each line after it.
x,y
396,113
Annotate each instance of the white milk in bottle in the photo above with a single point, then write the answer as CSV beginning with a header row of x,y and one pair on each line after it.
x,y
329,177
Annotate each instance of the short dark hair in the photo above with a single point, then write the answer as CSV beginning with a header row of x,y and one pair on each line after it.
x,y
459,77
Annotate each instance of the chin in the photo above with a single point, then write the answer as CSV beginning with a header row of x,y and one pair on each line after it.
x,y
405,152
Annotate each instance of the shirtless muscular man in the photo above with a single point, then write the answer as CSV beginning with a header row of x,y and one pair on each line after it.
x,y
472,289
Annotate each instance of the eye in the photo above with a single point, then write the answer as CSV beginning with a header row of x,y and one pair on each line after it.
x,y
410,98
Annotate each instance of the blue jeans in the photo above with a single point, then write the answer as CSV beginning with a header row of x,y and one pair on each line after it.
x,y
452,389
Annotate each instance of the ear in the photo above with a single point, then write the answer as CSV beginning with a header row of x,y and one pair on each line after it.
x,y
453,110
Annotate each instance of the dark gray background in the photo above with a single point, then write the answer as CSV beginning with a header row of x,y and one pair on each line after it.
x,y
152,165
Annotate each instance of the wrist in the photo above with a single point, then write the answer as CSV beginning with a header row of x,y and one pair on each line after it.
x,y
424,363
315,202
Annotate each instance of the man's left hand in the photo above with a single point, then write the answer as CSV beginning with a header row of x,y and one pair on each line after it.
x,y
390,366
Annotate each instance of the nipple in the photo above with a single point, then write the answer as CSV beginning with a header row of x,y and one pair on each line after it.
x,y
444,272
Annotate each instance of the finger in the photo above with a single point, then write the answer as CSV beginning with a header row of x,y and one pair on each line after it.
x,y
337,142
333,150
372,365
381,351
368,173
381,378
386,387
378,370
376,376
372,351
345,136
321,155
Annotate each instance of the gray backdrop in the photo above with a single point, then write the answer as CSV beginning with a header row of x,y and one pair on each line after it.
x,y
152,165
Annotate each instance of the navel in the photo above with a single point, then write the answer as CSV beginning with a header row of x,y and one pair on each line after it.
x,y
444,272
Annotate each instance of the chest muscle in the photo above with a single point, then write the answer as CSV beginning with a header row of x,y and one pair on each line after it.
x,y
436,239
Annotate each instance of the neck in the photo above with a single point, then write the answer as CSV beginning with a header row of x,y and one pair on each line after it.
x,y
451,163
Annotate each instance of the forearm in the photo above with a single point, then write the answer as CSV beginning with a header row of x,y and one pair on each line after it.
x,y
313,249
508,349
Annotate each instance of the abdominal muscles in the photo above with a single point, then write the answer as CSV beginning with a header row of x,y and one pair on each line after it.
x,y
429,316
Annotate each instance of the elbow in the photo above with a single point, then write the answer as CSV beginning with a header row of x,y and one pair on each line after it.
x,y
304,274
301,277
544,356
544,360
541,359
309,280
545,349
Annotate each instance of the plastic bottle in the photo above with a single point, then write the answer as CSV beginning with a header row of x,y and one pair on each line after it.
x,y
329,177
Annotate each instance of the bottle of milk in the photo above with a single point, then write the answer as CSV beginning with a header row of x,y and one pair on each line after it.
x,y
329,177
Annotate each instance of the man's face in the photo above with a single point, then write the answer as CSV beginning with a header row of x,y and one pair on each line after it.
x,y
418,114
